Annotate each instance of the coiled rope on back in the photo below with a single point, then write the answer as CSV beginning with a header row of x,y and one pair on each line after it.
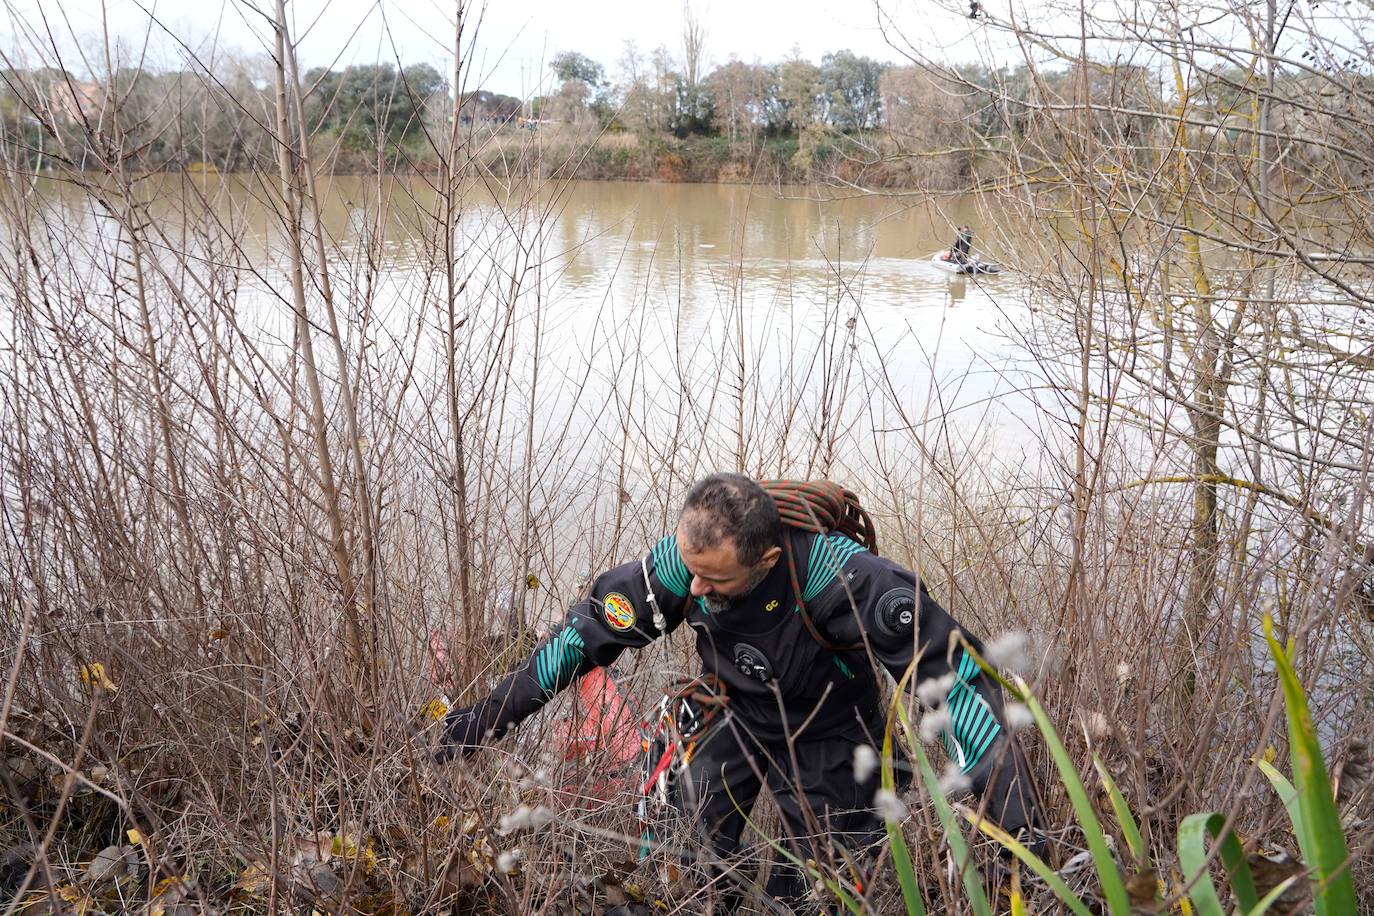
x,y
820,506
823,506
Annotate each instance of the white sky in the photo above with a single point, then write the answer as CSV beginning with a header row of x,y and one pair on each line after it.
x,y
516,39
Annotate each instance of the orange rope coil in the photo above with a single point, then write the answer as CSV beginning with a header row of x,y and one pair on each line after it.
x,y
823,506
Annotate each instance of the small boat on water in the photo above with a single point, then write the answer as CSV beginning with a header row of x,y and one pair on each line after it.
x,y
959,257
945,260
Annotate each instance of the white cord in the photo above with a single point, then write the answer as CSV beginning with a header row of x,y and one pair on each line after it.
x,y
659,622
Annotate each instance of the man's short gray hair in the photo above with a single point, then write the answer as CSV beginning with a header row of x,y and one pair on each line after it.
x,y
731,506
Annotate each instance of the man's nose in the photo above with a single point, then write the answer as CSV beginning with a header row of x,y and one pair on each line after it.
x,y
700,587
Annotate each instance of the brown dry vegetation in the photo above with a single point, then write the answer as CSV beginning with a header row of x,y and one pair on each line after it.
x,y
247,472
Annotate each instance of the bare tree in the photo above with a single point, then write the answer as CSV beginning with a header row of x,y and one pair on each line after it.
x,y
693,47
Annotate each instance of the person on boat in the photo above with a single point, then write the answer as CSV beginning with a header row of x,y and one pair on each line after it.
x,y
961,252
792,627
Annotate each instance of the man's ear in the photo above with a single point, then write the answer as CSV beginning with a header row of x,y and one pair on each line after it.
x,y
770,556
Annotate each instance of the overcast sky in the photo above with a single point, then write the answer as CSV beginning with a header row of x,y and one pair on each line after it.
x,y
517,37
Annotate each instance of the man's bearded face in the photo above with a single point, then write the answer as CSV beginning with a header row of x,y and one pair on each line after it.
x,y
718,603
719,579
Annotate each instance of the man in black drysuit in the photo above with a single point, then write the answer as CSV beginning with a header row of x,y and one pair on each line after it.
x,y
961,252
724,573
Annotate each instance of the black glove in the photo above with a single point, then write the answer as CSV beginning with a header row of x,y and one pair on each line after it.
x,y
463,733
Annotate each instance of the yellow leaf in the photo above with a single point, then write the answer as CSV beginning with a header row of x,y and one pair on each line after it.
x,y
1270,753
434,710
94,674
531,582
134,836
254,880
81,903
441,822
171,886
347,847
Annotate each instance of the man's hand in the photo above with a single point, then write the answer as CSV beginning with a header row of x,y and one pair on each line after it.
x,y
463,732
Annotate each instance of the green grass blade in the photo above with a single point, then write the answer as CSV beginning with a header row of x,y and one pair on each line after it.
x,y
1032,861
901,855
1334,891
1018,901
850,903
954,834
1289,796
1129,829
1272,897
1113,888
1194,836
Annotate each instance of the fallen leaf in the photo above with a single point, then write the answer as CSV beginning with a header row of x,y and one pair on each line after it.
x,y
434,710
81,902
172,890
94,674
384,903
255,880
348,848
112,863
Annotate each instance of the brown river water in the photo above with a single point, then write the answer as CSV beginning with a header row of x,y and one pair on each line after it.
x,y
614,274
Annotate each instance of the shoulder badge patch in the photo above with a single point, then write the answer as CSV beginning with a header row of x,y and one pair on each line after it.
x,y
619,612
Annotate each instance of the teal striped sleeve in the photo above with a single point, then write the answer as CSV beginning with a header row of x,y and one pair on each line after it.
x,y
829,554
973,724
668,567
556,664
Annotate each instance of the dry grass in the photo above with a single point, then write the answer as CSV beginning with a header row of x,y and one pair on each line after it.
x,y
256,539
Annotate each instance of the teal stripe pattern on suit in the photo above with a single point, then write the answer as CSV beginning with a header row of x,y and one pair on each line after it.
x,y
973,725
669,568
829,553
557,662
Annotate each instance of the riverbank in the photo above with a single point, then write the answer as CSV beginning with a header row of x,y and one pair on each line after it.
x,y
873,160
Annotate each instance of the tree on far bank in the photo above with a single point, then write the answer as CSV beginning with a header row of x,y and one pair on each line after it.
x,y
742,94
849,91
583,94
370,103
926,121
798,93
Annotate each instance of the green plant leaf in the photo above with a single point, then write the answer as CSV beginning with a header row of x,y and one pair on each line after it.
x,y
1129,829
1327,853
1033,862
901,855
954,835
1113,887
1194,836
1289,796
